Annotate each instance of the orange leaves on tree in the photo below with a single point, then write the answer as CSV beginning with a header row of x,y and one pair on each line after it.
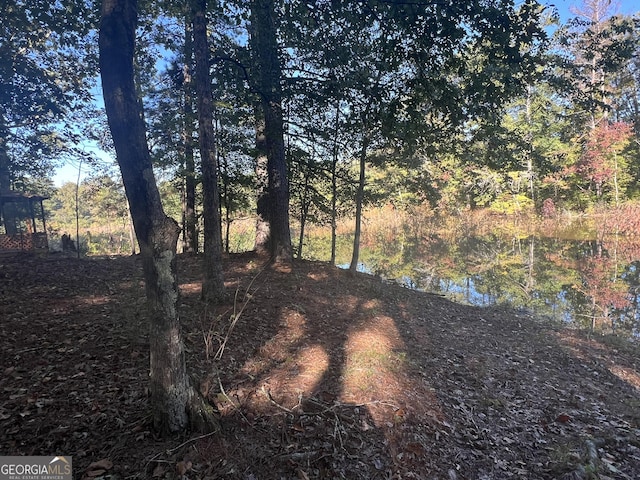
x,y
599,159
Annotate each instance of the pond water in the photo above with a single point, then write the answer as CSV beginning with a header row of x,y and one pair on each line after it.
x,y
579,276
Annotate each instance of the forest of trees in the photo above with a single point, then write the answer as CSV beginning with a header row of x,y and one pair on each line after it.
x,y
463,106
308,112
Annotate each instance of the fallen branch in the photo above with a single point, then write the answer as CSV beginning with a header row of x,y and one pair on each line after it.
x,y
237,313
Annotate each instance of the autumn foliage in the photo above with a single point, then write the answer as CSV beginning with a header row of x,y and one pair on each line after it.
x,y
601,159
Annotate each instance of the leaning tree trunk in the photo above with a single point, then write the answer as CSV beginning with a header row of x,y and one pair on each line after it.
x,y
174,402
264,46
213,282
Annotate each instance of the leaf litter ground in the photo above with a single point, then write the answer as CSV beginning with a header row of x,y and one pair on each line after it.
x,y
316,374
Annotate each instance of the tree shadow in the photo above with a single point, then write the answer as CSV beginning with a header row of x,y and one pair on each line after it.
x,y
325,375
324,362
448,389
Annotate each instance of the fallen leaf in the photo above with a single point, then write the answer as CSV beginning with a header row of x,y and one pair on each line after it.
x,y
104,464
415,448
159,471
183,467
96,473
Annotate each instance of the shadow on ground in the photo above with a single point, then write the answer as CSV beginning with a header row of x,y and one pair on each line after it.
x,y
322,375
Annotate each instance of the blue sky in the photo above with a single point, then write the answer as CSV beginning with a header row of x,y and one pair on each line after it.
x,y
618,6
69,172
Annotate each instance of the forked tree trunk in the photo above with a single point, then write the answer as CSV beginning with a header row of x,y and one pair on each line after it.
x,y
175,403
213,282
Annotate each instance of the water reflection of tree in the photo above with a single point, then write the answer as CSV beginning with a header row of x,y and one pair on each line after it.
x,y
593,283
601,284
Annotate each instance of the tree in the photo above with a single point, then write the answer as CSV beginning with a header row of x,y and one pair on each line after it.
x,y
264,47
599,44
596,49
603,161
169,110
626,95
263,204
190,219
425,70
46,66
532,145
175,403
213,283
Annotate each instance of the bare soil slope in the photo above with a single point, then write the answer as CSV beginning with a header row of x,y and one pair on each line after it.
x,y
316,374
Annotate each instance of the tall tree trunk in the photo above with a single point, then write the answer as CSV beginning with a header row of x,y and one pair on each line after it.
x,y
334,186
222,246
228,200
304,212
190,222
8,213
175,403
5,170
213,282
334,213
529,140
353,267
263,229
132,232
265,49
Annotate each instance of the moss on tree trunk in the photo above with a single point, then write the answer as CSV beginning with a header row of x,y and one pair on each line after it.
x,y
175,403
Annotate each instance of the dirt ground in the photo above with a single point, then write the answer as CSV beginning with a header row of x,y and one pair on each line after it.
x,y
316,374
